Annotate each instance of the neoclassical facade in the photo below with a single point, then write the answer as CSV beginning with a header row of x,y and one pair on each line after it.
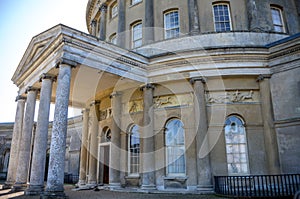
x,y
172,93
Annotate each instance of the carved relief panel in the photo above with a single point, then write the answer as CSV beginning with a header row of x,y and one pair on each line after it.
x,y
232,97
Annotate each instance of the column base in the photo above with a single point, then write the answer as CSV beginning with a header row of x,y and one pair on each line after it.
x,y
205,188
148,187
19,186
81,183
34,190
8,185
53,195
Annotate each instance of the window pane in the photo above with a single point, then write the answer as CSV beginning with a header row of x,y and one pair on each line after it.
x,y
134,150
277,19
221,16
137,35
171,20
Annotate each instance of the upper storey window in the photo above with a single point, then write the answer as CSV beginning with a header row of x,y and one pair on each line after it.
x,y
113,38
171,20
222,17
133,2
114,10
277,19
137,35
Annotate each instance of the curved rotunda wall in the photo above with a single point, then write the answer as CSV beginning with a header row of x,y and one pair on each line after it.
x,y
245,15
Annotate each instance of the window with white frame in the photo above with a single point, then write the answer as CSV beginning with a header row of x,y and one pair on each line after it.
x,y
222,19
171,24
277,19
236,146
114,10
134,151
175,148
137,35
113,39
133,2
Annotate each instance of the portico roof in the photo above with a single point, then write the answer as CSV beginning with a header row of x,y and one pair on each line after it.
x,y
98,65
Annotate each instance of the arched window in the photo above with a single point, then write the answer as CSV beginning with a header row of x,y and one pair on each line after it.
x,y
107,134
134,151
113,39
171,24
222,19
133,2
137,34
277,19
175,148
236,146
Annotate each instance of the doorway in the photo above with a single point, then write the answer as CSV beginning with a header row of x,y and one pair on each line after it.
x,y
103,163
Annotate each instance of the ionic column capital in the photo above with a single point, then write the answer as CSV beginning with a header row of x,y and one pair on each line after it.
x,y
64,61
48,76
20,97
93,23
31,88
115,94
95,102
262,77
201,79
103,7
147,86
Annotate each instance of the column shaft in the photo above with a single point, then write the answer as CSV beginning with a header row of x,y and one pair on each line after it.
x,y
203,161
114,166
94,27
93,130
25,144
193,17
17,131
40,141
83,151
271,146
103,10
55,180
148,143
149,22
121,35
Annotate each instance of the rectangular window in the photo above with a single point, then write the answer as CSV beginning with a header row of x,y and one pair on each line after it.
x,y
114,10
137,35
222,17
134,151
277,19
133,2
171,24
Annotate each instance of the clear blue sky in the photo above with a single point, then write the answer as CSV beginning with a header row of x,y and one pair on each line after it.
x,y
20,20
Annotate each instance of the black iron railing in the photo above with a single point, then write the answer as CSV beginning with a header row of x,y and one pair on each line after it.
x,y
258,185
71,179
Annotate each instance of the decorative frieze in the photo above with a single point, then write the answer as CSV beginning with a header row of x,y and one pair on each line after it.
x,y
232,97
173,100
105,114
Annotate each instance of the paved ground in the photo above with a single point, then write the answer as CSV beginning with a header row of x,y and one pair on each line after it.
x,y
90,194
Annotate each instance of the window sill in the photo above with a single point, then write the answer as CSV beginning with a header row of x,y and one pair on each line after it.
x,y
176,178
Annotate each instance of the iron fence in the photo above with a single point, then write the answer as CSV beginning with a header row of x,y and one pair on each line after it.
x,y
258,185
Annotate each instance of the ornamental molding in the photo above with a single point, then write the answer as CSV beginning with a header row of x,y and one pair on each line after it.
x,y
232,97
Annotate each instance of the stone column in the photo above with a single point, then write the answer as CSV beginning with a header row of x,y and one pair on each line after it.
x,y
25,142
103,12
94,27
270,137
83,151
148,142
204,176
36,185
149,22
55,180
16,136
114,162
121,34
93,129
193,17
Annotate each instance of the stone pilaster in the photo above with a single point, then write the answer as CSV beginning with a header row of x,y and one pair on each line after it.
x,y
25,143
148,142
194,26
93,130
121,35
83,151
149,22
103,18
257,20
55,180
114,167
204,176
270,137
36,185
94,27
17,132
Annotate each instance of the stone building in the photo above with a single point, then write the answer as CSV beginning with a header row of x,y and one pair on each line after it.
x,y
173,93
